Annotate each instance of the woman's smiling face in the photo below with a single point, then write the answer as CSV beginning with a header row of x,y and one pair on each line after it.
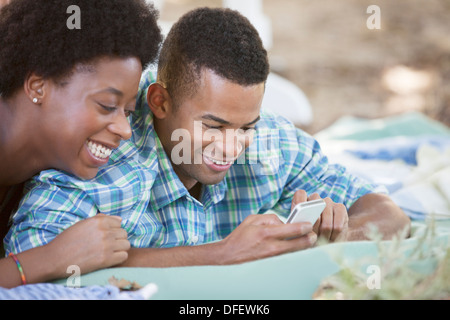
x,y
85,118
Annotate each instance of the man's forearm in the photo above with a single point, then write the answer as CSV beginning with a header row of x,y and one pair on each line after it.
x,y
172,257
378,210
257,237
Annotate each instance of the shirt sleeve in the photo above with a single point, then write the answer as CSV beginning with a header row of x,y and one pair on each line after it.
x,y
310,170
56,200
46,211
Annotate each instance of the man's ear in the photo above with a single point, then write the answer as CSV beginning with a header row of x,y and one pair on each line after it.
x,y
158,99
34,87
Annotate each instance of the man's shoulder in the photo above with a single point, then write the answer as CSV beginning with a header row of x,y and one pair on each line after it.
x,y
277,133
276,148
116,189
120,175
280,127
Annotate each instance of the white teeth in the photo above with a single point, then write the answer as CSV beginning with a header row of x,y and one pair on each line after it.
x,y
222,163
98,150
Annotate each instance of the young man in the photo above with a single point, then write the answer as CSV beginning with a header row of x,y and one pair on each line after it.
x,y
204,163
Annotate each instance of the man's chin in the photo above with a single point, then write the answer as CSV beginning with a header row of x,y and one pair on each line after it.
x,y
212,179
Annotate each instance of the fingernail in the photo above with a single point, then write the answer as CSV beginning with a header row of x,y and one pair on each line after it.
x,y
312,237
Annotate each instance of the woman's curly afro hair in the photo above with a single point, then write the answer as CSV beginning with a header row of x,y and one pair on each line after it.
x,y
34,37
218,39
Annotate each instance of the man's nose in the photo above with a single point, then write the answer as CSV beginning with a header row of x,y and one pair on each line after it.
x,y
233,144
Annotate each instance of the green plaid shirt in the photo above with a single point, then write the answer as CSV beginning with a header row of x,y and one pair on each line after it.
x,y
140,185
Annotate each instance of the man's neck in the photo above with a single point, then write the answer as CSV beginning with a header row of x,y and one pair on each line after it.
x,y
194,187
196,191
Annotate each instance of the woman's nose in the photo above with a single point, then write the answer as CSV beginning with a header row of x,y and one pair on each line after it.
x,y
121,127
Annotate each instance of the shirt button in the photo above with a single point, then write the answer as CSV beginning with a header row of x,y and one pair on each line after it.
x,y
194,239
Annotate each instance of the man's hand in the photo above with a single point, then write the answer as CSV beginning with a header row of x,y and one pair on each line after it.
x,y
332,224
261,236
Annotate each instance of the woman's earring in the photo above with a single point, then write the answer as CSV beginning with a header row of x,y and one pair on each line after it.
x,y
35,100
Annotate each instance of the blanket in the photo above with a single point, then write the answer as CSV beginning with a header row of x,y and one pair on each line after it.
x,y
409,154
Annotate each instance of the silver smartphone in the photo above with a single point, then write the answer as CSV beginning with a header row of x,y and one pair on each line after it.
x,y
308,211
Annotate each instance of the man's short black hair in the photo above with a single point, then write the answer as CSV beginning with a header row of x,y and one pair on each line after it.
x,y
218,39
34,37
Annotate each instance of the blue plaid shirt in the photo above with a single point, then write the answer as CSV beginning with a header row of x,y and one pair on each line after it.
x,y
140,185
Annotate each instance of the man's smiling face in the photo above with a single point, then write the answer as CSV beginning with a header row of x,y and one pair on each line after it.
x,y
220,120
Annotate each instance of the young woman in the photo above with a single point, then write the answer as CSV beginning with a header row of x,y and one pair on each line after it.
x,y
69,77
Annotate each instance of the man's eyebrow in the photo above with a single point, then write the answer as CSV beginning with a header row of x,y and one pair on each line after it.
x,y
254,121
225,122
216,119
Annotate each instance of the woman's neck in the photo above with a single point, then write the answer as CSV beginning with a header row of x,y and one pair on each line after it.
x,y
15,170
3,191
19,160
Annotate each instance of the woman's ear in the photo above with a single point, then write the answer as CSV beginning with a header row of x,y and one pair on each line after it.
x,y
158,99
34,87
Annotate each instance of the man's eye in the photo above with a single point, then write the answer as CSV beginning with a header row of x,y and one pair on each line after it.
x,y
212,127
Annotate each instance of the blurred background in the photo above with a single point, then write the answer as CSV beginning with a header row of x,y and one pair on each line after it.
x,y
326,62
326,49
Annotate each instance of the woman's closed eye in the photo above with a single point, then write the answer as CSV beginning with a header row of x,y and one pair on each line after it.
x,y
107,108
111,109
